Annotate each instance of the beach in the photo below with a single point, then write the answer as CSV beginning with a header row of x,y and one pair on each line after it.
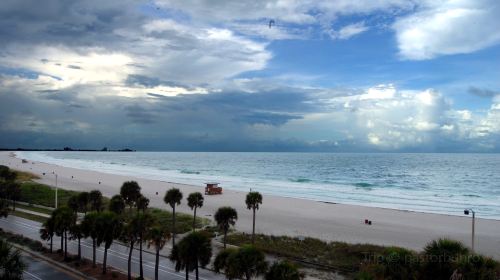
x,y
289,216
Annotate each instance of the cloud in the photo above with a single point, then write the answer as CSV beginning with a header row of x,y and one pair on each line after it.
x,y
103,43
482,92
448,27
181,77
272,117
350,30
294,19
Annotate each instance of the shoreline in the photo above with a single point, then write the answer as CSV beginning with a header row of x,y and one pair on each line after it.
x,y
279,215
140,175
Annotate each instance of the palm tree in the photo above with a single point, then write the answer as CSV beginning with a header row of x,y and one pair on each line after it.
x,y
173,197
90,229
144,223
11,263
6,174
142,203
193,251
4,207
95,199
117,204
283,270
47,231
76,232
246,262
83,202
73,204
13,192
158,236
195,200
110,226
225,218
130,235
64,219
253,200
130,191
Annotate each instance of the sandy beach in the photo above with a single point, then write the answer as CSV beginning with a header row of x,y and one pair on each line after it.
x,y
289,216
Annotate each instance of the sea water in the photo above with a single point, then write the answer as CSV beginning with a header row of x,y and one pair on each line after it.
x,y
435,183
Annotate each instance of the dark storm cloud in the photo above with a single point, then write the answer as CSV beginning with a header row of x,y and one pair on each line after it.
x,y
150,81
139,115
272,119
67,22
482,92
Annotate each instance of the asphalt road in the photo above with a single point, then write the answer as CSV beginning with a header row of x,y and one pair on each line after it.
x,y
40,270
117,254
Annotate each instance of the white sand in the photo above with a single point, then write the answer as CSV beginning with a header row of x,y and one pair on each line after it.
x,y
293,217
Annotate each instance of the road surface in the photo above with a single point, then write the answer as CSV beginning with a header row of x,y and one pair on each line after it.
x,y
41,270
117,254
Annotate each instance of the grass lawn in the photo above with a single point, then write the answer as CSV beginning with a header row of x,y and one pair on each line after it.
x,y
36,193
34,208
338,256
28,216
40,194
23,176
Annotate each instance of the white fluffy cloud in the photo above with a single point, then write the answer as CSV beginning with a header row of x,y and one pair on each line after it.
x,y
386,118
448,27
349,31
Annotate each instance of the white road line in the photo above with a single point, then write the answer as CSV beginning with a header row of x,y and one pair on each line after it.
x,y
32,275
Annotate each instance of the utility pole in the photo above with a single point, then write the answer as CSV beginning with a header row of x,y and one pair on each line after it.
x,y
466,212
56,193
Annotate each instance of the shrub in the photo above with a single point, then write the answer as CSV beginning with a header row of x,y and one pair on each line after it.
x,y
440,258
479,267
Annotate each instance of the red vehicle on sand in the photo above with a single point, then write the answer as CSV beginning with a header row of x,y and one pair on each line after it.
x,y
213,188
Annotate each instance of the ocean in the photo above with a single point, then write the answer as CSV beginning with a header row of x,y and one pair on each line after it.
x,y
433,183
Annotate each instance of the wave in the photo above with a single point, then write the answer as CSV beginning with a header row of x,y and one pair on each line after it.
x,y
301,180
471,195
367,186
184,171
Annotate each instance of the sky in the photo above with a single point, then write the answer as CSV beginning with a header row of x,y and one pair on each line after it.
x,y
277,75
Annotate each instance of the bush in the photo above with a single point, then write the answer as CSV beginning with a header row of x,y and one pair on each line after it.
x,y
479,267
400,263
440,258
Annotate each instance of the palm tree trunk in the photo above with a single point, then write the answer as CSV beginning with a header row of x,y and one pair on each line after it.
x,y
141,272
79,248
65,245
225,234
194,218
93,252
157,263
197,276
253,227
105,259
173,226
51,239
187,272
62,242
130,259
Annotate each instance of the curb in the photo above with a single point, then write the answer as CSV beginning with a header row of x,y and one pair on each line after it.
x,y
52,262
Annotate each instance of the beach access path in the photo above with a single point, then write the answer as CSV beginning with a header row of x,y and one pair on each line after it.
x,y
291,216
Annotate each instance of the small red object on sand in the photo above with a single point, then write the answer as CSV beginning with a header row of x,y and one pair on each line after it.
x,y
366,221
213,188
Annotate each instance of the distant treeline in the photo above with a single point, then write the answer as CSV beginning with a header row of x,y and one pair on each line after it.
x,y
105,149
